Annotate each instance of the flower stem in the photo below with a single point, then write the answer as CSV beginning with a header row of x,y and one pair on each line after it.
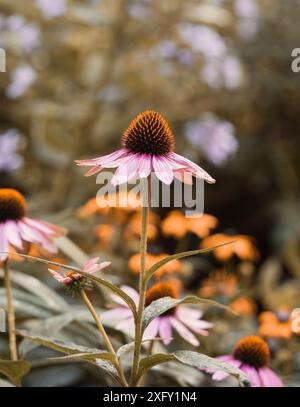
x,y
105,337
142,281
10,314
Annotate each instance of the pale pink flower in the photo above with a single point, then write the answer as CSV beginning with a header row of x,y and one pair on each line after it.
x,y
148,145
17,230
183,319
251,355
91,267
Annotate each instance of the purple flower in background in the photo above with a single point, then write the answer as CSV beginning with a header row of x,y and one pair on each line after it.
x,y
225,72
21,33
166,49
52,8
10,160
138,11
249,14
213,136
22,79
203,39
185,56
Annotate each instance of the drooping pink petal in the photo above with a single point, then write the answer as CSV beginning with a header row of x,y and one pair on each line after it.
x,y
3,243
90,263
189,312
268,378
220,374
93,171
126,171
194,168
131,292
59,277
199,327
152,329
97,267
103,161
165,330
184,332
184,176
33,235
162,169
45,227
116,313
13,235
126,325
252,374
145,165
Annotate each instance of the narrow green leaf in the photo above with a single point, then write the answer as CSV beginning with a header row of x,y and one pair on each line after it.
x,y
56,344
162,305
205,362
194,359
166,260
14,370
88,356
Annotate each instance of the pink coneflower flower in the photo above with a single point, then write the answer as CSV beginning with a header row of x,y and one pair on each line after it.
x,y
91,267
148,145
251,354
17,231
183,319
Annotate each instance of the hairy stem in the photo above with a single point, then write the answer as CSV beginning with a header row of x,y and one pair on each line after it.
x,y
142,281
105,337
10,314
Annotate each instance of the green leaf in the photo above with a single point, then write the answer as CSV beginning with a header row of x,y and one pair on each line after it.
x,y
88,356
195,359
166,260
46,327
51,299
153,360
162,305
204,362
56,344
130,346
14,370
103,360
89,276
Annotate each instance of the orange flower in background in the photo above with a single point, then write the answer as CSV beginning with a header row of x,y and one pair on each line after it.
x,y
242,246
134,226
243,306
219,283
174,266
117,205
105,234
177,225
276,325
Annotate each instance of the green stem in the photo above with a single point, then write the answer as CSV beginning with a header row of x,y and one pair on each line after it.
x,y
105,337
142,281
10,314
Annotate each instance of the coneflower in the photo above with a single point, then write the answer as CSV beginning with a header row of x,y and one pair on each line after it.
x,y
252,355
148,146
183,319
17,233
